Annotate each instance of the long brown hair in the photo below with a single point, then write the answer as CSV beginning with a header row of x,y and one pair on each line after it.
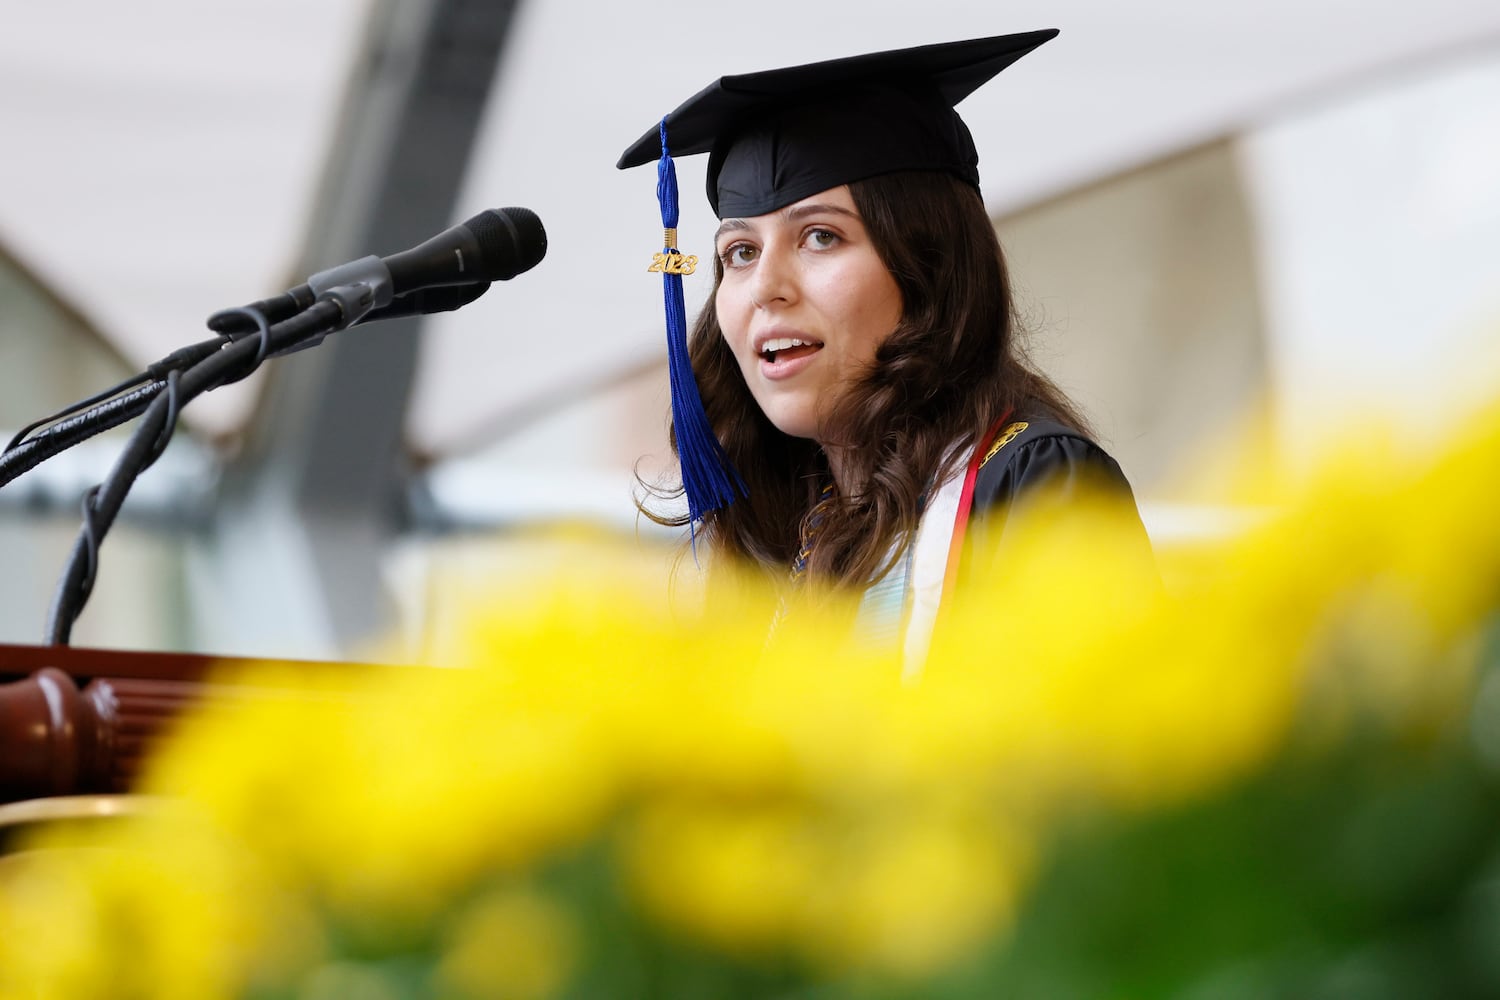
x,y
952,366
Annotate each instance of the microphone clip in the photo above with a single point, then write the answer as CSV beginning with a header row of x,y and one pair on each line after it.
x,y
356,288
369,272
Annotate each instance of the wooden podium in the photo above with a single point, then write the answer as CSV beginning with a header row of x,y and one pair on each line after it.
x,y
76,721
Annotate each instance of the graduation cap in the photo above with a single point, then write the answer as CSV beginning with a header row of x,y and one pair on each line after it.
x,y
778,136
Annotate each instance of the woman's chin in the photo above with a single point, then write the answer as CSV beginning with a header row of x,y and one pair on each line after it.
x,y
797,425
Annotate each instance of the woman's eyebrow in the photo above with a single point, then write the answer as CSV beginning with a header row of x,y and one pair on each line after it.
x,y
730,225
791,214
801,211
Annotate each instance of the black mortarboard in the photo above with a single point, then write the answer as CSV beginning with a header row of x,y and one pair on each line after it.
x,y
776,137
780,135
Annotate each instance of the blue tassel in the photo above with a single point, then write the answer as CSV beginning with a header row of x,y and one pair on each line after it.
x,y
708,477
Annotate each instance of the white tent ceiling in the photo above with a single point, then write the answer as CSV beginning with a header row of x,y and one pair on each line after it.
x,y
159,158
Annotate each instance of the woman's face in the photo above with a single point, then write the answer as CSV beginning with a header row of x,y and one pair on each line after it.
x,y
804,303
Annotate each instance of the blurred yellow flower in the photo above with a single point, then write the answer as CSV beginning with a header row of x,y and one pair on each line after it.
x,y
162,908
770,803
511,944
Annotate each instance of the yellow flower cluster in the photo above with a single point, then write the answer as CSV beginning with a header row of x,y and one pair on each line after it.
x,y
795,802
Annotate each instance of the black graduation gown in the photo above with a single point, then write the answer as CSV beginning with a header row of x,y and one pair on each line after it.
x,y
1047,462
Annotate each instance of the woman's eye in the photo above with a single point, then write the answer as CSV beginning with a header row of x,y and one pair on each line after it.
x,y
738,255
822,239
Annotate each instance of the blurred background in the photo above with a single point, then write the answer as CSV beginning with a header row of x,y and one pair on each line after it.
x,y
1278,213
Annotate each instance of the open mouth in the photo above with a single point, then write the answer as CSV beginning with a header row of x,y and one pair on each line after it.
x,y
788,349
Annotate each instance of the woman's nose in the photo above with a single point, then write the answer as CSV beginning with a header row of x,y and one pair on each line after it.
x,y
774,280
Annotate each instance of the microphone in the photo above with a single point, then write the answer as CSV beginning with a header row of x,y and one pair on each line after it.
x,y
492,246
495,245
426,301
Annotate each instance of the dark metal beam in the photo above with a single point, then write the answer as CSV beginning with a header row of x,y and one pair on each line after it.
x,y
326,448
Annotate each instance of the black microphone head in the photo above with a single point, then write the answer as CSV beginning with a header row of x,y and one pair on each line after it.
x,y
511,240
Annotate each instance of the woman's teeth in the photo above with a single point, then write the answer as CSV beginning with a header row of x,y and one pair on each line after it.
x,y
771,348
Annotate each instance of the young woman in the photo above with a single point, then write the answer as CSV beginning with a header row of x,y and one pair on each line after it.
x,y
858,361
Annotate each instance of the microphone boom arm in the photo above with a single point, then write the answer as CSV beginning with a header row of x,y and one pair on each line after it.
x,y
102,503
